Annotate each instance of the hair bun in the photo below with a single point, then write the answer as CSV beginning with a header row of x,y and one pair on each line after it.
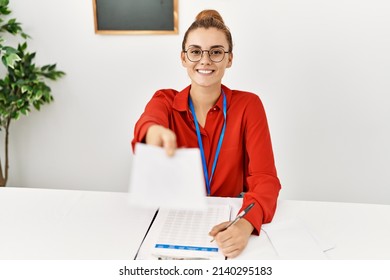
x,y
209,14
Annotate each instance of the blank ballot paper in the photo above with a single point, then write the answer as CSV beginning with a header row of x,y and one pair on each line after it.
x,y
183,234
159,180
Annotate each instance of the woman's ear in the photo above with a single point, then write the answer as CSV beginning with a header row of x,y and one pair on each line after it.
x,y
230,60
183,58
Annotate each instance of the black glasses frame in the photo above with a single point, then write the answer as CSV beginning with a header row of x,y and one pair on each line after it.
x,y
203,51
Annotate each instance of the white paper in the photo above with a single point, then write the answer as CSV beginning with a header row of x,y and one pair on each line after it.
x,y
159,180
184,234
292,240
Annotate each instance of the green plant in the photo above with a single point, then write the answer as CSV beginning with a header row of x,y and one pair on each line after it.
x,y
23,84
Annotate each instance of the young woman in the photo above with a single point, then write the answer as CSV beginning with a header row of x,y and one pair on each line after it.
x,y
229,127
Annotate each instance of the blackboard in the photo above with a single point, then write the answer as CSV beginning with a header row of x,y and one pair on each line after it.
x,y
136,16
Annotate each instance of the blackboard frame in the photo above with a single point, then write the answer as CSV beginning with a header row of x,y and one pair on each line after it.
x,y
129,30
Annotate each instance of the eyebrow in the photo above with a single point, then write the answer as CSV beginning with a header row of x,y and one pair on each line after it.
x,y
214,46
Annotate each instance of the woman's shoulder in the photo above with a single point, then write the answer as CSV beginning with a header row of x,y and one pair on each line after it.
x,y
241,94
246,97
166,92
167,95
172,98
245,101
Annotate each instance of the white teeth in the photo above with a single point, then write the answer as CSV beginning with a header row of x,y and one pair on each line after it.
x,y
205,71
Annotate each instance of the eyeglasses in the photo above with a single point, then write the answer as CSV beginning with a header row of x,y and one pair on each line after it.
x,y
195,54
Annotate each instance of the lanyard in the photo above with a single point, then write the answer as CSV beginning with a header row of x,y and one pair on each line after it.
x,y
200,143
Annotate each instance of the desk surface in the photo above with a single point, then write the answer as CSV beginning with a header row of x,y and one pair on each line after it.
x,y
67,224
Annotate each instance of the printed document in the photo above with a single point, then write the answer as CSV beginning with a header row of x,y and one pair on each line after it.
x,y
184,234
159,180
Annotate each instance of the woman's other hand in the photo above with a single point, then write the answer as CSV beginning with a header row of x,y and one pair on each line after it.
x,y
234,239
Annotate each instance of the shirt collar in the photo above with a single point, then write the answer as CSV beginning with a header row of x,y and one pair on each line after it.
x,y
180,103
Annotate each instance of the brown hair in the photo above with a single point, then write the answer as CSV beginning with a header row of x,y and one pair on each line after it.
x,y
207,19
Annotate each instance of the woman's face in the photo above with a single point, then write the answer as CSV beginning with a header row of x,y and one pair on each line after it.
x,y
205,72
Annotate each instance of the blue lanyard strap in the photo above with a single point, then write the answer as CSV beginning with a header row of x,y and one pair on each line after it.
x,y
200,142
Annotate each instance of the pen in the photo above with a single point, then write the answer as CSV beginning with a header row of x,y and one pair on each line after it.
x,y
239,216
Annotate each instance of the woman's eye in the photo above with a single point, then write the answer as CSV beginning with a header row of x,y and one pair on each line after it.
x,y
196,52
216,52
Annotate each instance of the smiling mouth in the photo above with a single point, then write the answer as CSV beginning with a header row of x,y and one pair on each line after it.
x,y
204,71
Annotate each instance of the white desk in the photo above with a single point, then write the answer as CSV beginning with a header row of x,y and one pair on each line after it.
x,y
65,224
358,231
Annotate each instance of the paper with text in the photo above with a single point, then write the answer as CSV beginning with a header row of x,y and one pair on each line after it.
x,y
184,233
158,180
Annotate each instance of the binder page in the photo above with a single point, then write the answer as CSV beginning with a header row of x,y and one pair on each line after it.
x,y
184,234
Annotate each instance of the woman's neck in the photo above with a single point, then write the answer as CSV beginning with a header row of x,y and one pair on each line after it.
x,y
204,99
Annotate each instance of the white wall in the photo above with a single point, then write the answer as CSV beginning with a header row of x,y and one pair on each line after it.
x,y
322,69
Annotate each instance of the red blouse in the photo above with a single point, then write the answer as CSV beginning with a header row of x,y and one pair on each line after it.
x,y
246,161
